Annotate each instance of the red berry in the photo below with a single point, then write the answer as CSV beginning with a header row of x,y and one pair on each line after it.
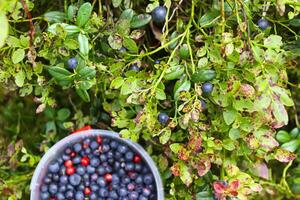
x,y
99,139
52,198
85,146
68,163
108,177
85,161
87,191
73,154
137,159
70,170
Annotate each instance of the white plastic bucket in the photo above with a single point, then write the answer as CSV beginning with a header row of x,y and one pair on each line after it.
x,y
56,150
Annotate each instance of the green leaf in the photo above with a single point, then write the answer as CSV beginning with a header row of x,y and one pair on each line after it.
x,y
83,44
117,83
229,115
209,18
13,41
228,144
234,133
295,22
279,112
127,14
160,94
204,195
116,3
63,114
295,132
70,29
60,74
172,37
20,78
84,95
54,16
4,28
184,51
140,20
18,56
165,136
291,146
130,44
71,12
175,147
174,72
86,85
284,97
203,75
115,42
273,42
185,86
283,136
84,14
86,73
185,174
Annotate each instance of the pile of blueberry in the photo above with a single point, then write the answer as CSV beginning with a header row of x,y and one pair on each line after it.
x,y
98,168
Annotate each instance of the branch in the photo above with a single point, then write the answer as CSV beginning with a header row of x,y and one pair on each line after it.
x,y
32,30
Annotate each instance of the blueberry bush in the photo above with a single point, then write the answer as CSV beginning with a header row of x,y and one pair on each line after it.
x,y
209,88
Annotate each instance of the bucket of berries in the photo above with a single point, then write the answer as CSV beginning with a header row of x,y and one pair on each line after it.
x,y
96,164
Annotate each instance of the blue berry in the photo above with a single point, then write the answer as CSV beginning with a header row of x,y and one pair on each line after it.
x,y
134,67
53,167
122,149
129,156
53,188
93,196
115,179
143,198
105,148
63,180
113,195
114,144
79,196
263,23
156,62
130,187
62,188
133,195
101,170
101,182
137,167
80,170
94,177
203,105
75,179
103,192
90,169
129,166
94,187
72,63
139,179
146,192
76,160
159,14
207,88
122,192
45,196
163,118
148,179
69,194
44,188
94,145
77,147
60,196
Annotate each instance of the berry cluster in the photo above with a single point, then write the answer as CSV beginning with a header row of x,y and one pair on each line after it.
x,y
98,168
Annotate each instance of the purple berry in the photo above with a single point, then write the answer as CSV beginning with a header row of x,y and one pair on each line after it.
x,y
72,63
163,118
159,14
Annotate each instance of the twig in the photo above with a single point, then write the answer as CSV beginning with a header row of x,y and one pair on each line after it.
x,y
107,9
172,15
31,53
